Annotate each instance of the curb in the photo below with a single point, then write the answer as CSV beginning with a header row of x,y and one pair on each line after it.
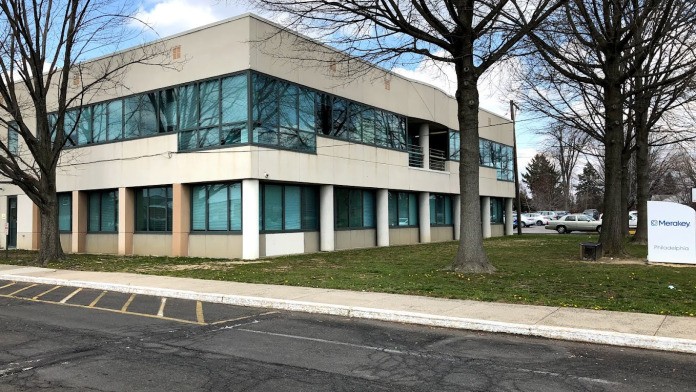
x,y
543,331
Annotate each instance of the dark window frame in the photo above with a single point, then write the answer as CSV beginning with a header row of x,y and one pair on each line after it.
x,y
168,189
228,186
362,191
101,194
303,198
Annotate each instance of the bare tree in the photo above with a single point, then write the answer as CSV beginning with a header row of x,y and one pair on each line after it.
x,y
602,44
473,35
565,146
43,48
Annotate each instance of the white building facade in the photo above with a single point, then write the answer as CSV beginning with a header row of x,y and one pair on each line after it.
x,y
241,152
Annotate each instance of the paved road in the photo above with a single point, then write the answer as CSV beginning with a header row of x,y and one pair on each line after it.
x,y
58,338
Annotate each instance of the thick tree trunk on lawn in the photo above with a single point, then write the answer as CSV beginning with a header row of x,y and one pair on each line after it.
x,y
612,237
49,246
625,189
471,257
642,168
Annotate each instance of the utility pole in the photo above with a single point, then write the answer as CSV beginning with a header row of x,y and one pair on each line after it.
x,y
514,157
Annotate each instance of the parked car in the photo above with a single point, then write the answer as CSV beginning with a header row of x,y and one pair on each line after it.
x,y
538,219
575,222
526,220
632,219
561,213
592,212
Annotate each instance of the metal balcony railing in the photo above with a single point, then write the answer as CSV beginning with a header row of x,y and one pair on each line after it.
x,y
415,155
437,159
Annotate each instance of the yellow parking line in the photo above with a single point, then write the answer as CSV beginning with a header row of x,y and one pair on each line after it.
x,y
66,299
199,312
7,285
160,312
103,309
97,299
125,306
46,292
22,289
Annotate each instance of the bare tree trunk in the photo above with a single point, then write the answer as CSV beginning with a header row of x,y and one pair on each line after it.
x,y
471,257
612,237
625,189
642,183
50,248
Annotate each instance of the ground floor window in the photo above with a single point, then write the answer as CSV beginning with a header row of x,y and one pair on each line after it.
x,y
216,207
288,208
440,209
354,208
403,209
153,209
65,212
497,210
103,211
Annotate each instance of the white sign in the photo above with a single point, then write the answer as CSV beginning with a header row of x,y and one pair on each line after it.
x,y
671,233
693,195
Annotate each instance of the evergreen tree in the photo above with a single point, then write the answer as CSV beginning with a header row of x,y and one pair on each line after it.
x,y
543,180
590,189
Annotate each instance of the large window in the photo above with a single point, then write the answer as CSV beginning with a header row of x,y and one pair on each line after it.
x,y
216,207
283,114
354,208
103,211
440,209
153,209
497,210
288,208
491,154
403,209
65,212
340,118
13,138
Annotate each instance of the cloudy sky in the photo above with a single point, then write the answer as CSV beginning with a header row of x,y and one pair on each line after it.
x,y
169,17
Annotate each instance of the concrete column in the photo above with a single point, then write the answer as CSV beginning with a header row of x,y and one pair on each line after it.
x,y
382,206
35,226
80,217
457,215
250,219
424,142
181,219
126,220
508,216
326,218
424,216
486,216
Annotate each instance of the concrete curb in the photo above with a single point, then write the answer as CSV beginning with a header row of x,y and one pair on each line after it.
x,y
545,331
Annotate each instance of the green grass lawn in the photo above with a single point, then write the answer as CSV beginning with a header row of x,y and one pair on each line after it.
x,y
532,269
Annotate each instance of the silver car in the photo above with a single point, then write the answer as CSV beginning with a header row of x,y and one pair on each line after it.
x,y
575,222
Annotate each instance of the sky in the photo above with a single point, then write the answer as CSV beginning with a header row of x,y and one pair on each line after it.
x,y
167,17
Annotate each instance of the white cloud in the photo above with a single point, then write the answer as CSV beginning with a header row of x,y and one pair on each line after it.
x,y
167,17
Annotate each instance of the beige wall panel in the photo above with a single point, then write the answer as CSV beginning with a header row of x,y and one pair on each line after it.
x,y
279,244
441,234
216,49
158,164
102,243
152,244
65,242
215,245
356,239
406,236
262,245
342,239
311,242
25,226
497,230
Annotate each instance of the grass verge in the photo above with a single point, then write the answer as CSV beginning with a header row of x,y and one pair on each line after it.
x,y
532,269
